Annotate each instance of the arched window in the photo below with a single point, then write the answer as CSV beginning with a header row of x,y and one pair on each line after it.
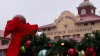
x,y
83,12
92,11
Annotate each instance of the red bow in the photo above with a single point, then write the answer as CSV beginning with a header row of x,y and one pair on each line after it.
x,y
29,28
17,29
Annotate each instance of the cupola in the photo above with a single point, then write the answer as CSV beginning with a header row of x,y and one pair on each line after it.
x,y
86,8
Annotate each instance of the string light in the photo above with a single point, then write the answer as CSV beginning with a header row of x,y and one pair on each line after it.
x,y
62,44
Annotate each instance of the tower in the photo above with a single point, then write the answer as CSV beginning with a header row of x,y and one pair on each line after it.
x,y
86,0
86,8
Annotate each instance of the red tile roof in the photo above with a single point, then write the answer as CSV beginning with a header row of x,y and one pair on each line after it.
x,y
48,26
89,19
2,34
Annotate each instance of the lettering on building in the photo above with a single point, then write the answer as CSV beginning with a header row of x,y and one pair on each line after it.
x,y
70,31
80,30
56,33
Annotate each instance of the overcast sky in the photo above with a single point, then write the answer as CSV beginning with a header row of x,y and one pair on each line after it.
x,y
39,12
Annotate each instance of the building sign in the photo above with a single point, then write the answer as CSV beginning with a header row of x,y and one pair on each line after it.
x,y
84,29
59,32
80,30
56,33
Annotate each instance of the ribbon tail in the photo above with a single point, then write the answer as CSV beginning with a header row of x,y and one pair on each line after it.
x,y
14,45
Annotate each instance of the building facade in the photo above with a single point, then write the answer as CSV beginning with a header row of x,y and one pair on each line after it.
x,y
4,42
68,25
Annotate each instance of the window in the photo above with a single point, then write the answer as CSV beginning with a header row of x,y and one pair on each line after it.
x,y
65,26
4,42
92,23
92,11
0,53
67,36
57,37
85,24
43,29
76,36
83,12
48,29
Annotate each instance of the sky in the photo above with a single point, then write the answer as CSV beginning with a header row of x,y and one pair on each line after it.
x,y
41,12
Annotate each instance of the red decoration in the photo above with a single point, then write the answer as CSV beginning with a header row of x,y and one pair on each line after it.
x,y
18,29
49,44
27,43
90,52
29,28
71,52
